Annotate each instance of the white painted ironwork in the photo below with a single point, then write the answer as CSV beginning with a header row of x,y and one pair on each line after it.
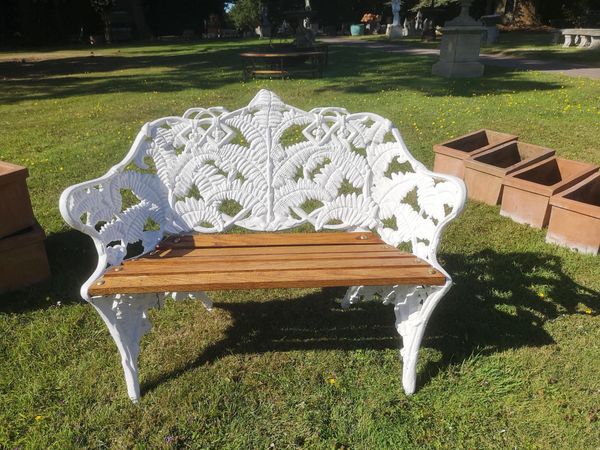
x,y
265,167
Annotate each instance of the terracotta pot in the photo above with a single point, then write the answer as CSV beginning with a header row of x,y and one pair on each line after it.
x,y
575,216
527,192
23,259
450,155
485,171
15,206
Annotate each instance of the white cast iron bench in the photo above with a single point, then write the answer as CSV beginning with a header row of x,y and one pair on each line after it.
x,y
267,167
582,37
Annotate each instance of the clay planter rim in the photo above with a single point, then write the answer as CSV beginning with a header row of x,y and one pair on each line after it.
x,y
474,164
561,201
586,169
444,149
10,173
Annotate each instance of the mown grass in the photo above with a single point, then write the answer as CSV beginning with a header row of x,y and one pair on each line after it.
x,y
511,355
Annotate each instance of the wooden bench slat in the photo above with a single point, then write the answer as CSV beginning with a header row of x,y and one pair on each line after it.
x,y
277,250
267,260
140,268
157,261
267,279
269,239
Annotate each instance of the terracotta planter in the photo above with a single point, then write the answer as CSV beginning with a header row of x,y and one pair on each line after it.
x,y
485,171
575,217
15,206
527,192
450,155
23,259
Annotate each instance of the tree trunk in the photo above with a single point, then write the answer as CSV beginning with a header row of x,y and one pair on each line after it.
x,y
106,21
525,13
139,18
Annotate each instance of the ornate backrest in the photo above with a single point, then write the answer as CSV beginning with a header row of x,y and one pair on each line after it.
x,y
265,167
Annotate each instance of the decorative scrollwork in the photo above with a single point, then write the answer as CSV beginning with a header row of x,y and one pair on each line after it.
x,y
212,169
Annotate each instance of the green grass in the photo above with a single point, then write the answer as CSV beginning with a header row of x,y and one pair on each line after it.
x,y
510,358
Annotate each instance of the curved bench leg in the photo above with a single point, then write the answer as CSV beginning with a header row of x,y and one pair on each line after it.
x,y
126,317
413,308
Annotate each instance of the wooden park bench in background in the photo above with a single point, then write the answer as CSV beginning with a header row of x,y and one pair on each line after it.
x,y
188,179
284,61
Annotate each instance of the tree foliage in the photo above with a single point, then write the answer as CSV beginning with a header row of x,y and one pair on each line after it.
x,y
244,14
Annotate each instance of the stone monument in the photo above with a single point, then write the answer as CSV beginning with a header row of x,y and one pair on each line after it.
x,y
264,29
394,30
459,51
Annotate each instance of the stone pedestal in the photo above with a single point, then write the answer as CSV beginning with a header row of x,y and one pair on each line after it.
x,y
459,52
394,31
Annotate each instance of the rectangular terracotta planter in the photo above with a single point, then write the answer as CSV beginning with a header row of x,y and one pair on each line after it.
x,y
23,259
575,217
527,192
450,155
15,206
485,171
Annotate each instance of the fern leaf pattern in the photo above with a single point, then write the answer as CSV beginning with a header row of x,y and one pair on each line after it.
x,y
266,166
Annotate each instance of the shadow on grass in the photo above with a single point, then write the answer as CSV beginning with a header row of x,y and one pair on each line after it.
x,y
350,70
72,258
494,305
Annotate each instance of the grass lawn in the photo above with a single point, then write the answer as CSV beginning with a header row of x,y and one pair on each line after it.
x,y
510,358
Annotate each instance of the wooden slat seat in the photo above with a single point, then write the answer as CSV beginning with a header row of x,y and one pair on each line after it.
x,y
266,260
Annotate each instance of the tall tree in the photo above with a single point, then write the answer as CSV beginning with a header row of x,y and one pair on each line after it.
x,y
103,7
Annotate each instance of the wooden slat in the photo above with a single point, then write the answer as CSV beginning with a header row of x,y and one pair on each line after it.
x,y
173,267
159,261
267,260
269,239
268,279
277,250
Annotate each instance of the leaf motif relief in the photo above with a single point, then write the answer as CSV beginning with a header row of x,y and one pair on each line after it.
x,y
297,156
249,128
351,210
194,212
389,193
100,205
144,186
428,199
293,194
115,254
330,178
248,162
410,223
352,165
380,156
393,237
246,194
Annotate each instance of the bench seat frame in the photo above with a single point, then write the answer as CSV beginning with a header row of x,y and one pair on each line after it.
x,y
181,172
